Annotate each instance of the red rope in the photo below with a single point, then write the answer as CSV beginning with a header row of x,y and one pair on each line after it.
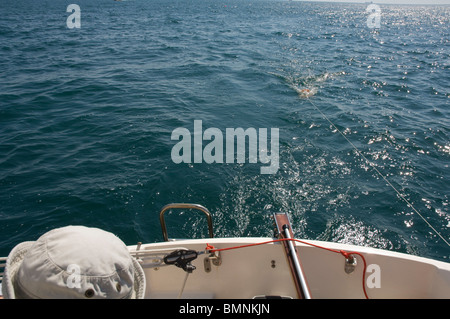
x,y
346,254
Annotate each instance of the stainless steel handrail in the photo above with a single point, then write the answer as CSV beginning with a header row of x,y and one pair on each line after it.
x,y
2,269
184,206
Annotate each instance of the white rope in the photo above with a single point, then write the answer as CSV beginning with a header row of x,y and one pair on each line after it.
x,y
155,251
379,173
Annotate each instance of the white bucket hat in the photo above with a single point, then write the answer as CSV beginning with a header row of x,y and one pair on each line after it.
x,y
73,262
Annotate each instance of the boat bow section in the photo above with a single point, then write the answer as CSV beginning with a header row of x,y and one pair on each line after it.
x,y
258,268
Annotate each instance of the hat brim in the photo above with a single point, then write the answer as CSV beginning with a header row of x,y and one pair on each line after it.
x,y
15,259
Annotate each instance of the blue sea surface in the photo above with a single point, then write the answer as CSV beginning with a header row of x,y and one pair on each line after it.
x,y
87,115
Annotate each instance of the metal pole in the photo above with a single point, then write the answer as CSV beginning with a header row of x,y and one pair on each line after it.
x,y
300,274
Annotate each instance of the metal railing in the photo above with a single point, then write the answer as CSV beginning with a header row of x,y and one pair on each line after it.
x,y
184,206
2,268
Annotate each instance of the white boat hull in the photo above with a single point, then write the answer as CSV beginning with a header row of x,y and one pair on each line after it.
x,y
262,270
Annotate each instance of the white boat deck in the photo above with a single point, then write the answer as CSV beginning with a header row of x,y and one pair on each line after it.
x,y
262,270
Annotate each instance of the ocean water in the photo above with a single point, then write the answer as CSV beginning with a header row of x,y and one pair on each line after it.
x,y
87,115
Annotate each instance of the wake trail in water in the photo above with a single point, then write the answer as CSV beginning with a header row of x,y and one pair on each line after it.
x,y
306,88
